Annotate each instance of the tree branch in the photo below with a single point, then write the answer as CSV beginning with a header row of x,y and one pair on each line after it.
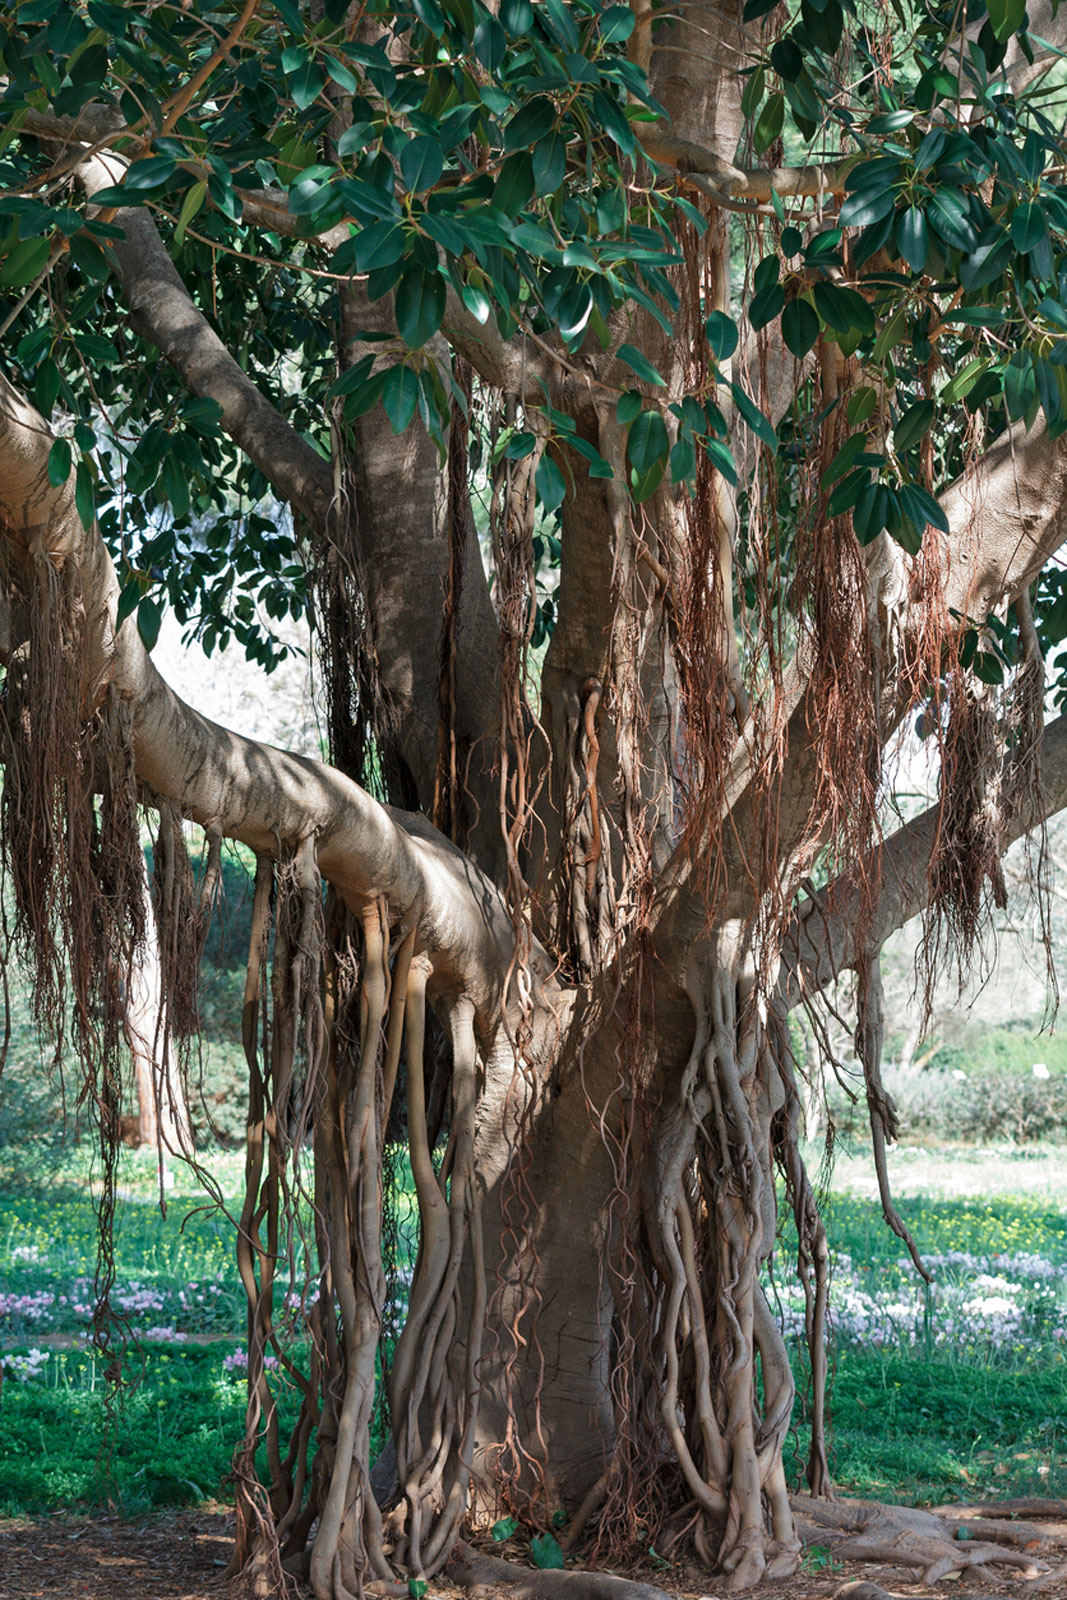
x,y
1008,516
163,312
821,943
239,787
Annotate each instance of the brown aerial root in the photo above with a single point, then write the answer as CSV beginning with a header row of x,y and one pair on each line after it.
x,y
488,1576
860,1530
713,1227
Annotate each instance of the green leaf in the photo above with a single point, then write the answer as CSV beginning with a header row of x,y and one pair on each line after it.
x,y
546,1552
549,482
421,163
639,364
769,126
307,84
800,327
913,424
647,442
152,173
766,306
987,668
890,121
84,495
752,93
628,407
379,245
419,301
844,460
948,215
616,24
149,618
531,123
869,513
504,1529
759,424
129,595
514,184
549,164
26,261
862,209
192,203
1020,385
1006,16
417,1587
913,238
722,335
400,396
59,463
1028,226
719,455
861,405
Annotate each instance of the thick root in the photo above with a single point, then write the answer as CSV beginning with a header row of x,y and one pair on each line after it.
x,y
859,1530
489,1575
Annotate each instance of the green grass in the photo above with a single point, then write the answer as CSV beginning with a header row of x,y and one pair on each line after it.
x,y
172,1441
918,1426
923,1432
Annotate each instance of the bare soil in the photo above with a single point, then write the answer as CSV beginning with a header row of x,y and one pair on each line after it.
x,y
182,1555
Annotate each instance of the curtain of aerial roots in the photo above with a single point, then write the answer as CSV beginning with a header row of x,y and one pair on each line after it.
x,y
713,1228
346,1020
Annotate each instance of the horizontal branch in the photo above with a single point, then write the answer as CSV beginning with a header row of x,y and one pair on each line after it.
x,y
1007,516
163,312
821,943
264,797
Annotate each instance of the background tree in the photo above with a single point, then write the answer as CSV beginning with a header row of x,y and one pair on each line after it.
x,y
416,270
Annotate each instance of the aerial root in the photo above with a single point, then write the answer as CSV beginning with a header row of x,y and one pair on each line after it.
x,y
860,1530
488,1575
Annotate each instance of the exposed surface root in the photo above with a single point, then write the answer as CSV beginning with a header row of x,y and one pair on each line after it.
x,y
860,1530
488,1575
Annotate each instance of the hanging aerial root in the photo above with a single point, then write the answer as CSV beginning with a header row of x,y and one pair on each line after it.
x,y
870,1034
813,1253
434,1379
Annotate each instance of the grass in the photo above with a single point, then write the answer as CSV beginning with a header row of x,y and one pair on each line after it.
x,y
911,1418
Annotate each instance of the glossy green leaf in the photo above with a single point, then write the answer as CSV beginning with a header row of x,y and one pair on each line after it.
x,y
800,327
647,443
913,424
152,173
752,414
1028,226
400,397
769,126
766,306
639,363
870,512
26,261
913,238
1006,17
549,164
149,619
948,215
862,209
419,301
722,335
549,483
546,1552
421,163
1020,386
59,463
85,495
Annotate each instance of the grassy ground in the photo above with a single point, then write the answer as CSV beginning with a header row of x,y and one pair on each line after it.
x,y
960,1391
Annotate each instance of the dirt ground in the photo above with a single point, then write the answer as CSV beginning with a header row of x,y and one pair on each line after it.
x,y
182,1555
